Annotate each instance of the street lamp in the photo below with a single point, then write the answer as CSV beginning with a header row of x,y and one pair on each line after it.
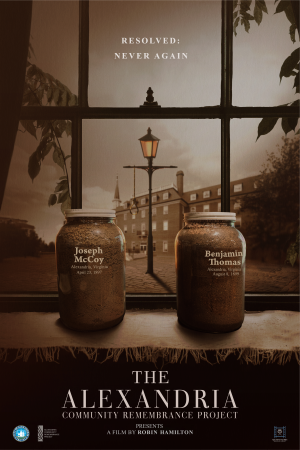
x,y
149,144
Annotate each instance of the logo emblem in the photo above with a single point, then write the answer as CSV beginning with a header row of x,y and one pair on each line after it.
x,y
21,433
280,434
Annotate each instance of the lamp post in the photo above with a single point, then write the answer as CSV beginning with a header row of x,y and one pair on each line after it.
x,y
149,144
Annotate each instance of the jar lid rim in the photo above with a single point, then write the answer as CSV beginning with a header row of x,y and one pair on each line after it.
x,y
89,212
210,216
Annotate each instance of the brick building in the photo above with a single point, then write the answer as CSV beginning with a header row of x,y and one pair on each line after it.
x,y
169,203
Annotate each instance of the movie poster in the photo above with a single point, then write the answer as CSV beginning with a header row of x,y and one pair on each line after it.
x,y
149,382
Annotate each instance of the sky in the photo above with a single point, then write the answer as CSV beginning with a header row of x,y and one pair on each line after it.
x,y
192,145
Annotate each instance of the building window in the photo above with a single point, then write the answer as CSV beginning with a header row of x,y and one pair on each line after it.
x,y
153,226
193,197
238,222
133,216
193,209
238,187
219,191
237,205
165,195
143,226
165,210
125,228
255,185
205,208
219,207
133,228
206,194
165,225
143,214
125,216
143,201
165,246
153,211
154,198
133,245
154,246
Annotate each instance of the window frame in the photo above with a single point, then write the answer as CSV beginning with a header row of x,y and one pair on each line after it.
x,y
225,112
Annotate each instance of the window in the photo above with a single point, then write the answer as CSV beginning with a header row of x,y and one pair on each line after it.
x,y
125,228
133,216
193,208
165,209
133,228
166,195
206,194
143,226
219,207
205,208
238,222
153,226
133,246
165,225
237,187
255,185
237,205
165,246
143,201
125,216
153,211
143,213
226,113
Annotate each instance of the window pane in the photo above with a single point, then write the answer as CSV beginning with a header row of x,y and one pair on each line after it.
x,y
28,225
266,204
192,80
191,145
54,59
257,59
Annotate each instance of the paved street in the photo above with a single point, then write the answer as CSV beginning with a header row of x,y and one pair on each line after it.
x,y
39,274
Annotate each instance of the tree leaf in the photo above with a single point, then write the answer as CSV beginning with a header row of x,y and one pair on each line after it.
x,y
246,24
262,5
296,81
52,200
73,100
63,178
69,128
63,196
298,132
47,149
257,13
34,166
68,156
296,103
31,71
58,157
49,94
62,186
64,99
293,122
236,22
293,29
56,96
235,15
290,64
292,254
28,125
266,125
66,204
285,125
289,14
282,5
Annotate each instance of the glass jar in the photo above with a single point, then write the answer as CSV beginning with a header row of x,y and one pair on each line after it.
x,y
210,273
90,259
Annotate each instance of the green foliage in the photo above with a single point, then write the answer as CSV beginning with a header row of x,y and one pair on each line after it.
x,y
242,16
290,64
266,125
17,241
43,89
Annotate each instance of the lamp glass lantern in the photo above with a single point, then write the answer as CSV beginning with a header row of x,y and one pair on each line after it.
x,y
149,144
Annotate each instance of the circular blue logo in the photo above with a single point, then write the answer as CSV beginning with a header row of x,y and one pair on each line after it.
x,y
21,433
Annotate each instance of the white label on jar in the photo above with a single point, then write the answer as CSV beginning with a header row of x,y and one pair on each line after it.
x,y
89,256
229,266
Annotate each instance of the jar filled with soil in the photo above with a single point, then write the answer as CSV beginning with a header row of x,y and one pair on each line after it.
x,y
210,272
90,260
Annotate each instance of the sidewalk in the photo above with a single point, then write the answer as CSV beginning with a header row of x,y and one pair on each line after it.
x,y
39,275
